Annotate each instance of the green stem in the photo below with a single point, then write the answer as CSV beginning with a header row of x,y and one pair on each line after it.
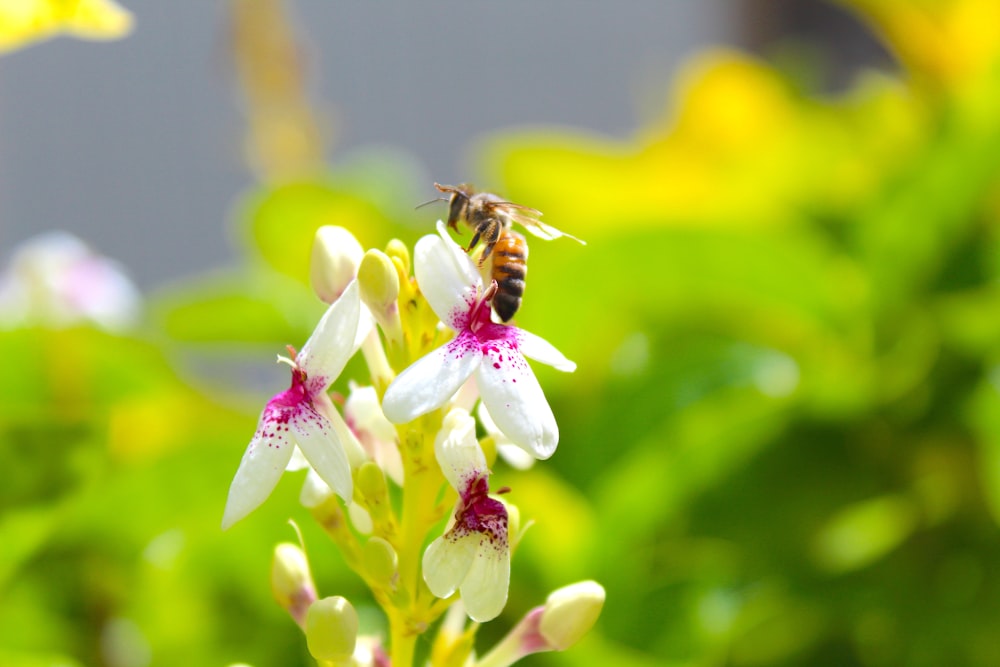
x,y
423,479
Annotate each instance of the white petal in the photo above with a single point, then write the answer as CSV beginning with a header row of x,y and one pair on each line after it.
x,y
377,435
539,349
366,325
515,457
263,462
484,588
516,401
467,395
332,343
356,455
360,518
457,450
316,437
297,462
364,414
431,380
447,560
448,279
315,491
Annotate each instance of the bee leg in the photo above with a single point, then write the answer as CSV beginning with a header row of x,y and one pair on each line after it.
x,y
486,253
475,240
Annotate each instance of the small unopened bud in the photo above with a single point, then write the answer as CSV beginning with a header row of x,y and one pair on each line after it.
x,y
380,559
570,612
360,518
332,629
336,255
567,615
379,281
400,256
379,284
371,484
291,581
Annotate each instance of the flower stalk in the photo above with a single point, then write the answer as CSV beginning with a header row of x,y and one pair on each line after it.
x,y
400,481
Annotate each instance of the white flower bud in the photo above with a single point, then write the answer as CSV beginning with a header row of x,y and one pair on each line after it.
x,y
379,282
570,612
336,255
291,580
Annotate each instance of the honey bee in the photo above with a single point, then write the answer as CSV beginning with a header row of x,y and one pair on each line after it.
x,y
488,215
509,268
491,219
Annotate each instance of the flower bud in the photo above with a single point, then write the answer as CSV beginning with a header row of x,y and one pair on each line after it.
x,y
360,518
379,290
291,581
336,255
371,484
380,559
332,629
400,256
379,281
570,612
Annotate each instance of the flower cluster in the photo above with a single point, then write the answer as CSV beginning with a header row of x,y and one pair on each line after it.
x,y
402,466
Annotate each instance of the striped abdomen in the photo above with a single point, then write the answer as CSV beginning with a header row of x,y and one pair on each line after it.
x,y
510,257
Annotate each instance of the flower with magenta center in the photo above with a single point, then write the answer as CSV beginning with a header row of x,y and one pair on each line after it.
x,y
473,555
298,416
494,352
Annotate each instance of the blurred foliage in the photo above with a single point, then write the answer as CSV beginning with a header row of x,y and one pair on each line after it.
x,y
782,445
24,22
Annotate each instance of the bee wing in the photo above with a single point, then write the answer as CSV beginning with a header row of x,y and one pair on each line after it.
x,y
528,218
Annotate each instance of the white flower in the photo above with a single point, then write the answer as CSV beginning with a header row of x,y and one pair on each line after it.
x,y
55,280
296,416
495,353
473,555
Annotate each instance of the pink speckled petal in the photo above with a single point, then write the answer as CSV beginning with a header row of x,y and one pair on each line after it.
x,y
539,349
326,352
447,560
263,462
457,450
431,380
448,279
484,588
318,441
515,400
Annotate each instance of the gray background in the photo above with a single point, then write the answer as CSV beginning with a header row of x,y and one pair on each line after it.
x,y
137,145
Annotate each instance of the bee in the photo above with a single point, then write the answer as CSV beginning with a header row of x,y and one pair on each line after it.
x,y
509,268
491,219
488,215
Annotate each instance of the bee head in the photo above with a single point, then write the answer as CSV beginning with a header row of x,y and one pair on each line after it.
x,y
458,200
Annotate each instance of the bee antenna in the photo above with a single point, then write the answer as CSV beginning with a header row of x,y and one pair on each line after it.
x,y
430,202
